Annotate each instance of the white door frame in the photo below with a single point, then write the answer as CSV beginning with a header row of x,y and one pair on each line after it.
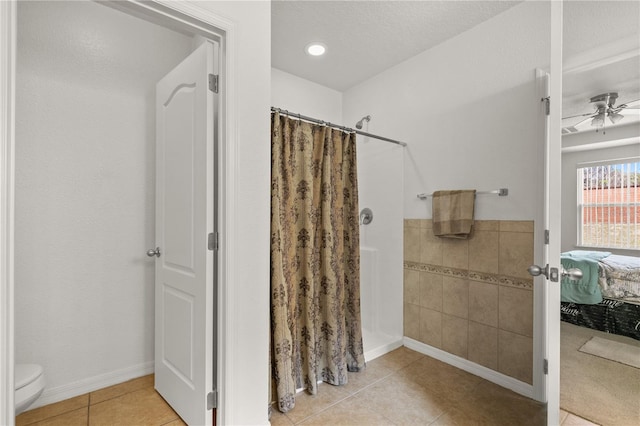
x,y
554,167
169,13
546,387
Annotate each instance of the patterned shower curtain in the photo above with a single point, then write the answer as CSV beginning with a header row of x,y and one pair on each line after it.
x,y
315,258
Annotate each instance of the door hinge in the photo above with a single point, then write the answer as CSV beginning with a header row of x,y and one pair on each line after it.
x,y
212,242
546,236
545,366
213,83
212,400
547,104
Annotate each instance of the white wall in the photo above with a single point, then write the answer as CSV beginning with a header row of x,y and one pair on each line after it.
x,y
468,109
301,96
85,190
585,147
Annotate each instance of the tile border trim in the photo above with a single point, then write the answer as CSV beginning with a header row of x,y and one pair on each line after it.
x,y
504,280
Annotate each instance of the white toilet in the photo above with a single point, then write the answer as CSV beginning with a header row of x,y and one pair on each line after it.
x,y
29,385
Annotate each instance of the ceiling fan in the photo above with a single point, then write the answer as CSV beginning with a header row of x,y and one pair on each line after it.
x,y
604,105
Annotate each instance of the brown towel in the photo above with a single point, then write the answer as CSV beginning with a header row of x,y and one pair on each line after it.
x,y
453,213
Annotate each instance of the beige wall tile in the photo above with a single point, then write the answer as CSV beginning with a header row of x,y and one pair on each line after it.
x,y
412,223
431,291
455,297
515,356
411,247
430,247
455,253
431,327
426,223
483,345
455,335
484,252
412,321
483,303
486,225
516,310
411,286
516,226
516,253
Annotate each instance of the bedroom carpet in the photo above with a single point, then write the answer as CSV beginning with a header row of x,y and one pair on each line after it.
x,y
613,351
602,391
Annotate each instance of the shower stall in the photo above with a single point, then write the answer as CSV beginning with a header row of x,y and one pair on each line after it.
x,y
380,187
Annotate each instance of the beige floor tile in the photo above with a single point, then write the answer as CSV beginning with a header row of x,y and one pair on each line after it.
x,y
279,419
456,417
403,402
563,415
502,406
573,420
121,389
52,410
347,413
141,407
77,417
397,359
371,374
308,405
177,422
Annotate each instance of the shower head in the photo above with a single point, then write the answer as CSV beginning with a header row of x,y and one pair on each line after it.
x,y
359,123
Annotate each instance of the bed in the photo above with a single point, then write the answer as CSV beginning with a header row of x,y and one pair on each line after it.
x,y
607,297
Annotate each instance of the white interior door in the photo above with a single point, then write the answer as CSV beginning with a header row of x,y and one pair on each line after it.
x,y
184,286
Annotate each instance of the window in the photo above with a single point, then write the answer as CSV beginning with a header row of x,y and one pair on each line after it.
x,y
609,204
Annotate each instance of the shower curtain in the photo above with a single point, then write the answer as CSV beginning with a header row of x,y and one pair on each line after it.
x,y
315,258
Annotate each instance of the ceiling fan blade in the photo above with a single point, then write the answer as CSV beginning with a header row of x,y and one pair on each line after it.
x,y
580,115
581,122
633,104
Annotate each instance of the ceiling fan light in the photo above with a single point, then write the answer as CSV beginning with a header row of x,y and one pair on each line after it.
x,y
598,120
615,117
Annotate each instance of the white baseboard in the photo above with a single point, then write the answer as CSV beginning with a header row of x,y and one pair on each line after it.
x,y
90,384
499,379
381,350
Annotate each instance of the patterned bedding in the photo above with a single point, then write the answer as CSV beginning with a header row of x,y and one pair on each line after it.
x,y
619,277
619,283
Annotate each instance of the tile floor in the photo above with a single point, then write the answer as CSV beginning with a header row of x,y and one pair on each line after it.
x,y
131,403
401,387
405,387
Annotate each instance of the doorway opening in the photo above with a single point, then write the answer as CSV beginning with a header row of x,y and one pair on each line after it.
x,y
85,186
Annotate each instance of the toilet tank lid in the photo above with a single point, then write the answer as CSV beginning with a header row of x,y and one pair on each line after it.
x,y
26,373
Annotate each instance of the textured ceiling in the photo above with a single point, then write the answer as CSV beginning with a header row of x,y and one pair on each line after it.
x,y
365,38
601,41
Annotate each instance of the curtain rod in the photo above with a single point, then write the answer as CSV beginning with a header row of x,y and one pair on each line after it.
x,y
337,126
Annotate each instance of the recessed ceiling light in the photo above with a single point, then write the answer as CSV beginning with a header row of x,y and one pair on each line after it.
x,y
315,49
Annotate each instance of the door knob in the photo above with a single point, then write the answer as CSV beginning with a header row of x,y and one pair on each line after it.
x,y
550,273
536,270
574,274
153,252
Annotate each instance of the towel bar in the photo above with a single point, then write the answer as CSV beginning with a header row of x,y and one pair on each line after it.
x,y
502,192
